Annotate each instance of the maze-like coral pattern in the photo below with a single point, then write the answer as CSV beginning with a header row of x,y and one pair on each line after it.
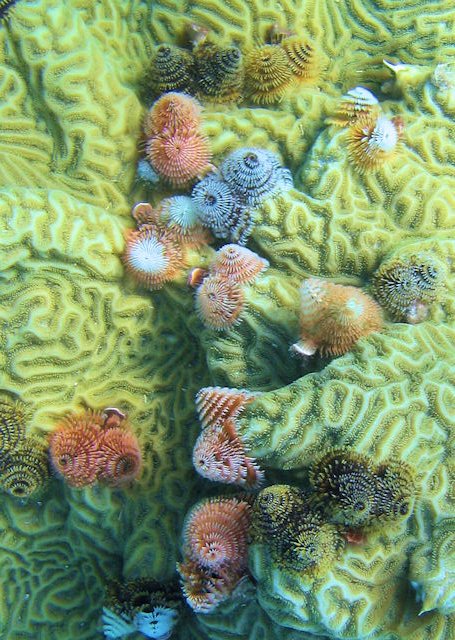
x,y
393,393
433,569
74,332
69,116
42,575
242,617
376,594
387,397
73,336
254,352
65,319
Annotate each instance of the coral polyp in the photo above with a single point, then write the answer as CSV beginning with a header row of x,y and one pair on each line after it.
x,y
407,285
219,72
334,317
255,174
372,141
152,256
171,69
219,302
237,264
268,73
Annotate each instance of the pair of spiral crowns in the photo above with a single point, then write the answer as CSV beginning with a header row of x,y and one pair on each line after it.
x,y
219,290
219,453
357,492
407,283
174,145
226,200
95,446
214,551
372,137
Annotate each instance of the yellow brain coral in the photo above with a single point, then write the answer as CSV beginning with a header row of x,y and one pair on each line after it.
x,y
75,333
392,394
73,337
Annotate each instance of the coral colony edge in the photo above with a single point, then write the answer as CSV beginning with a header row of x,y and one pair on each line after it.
x,y
227,320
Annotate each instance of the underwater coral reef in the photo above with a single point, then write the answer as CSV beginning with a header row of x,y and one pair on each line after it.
x,y
227,319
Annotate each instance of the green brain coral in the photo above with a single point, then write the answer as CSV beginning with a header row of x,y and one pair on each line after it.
x,y
75,332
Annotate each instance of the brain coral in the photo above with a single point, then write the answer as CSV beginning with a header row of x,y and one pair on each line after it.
x,y
75,332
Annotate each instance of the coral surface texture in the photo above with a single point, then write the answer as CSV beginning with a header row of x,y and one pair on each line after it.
x,y
349,434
